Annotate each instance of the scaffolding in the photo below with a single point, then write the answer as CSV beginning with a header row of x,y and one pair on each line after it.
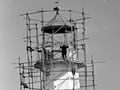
x,y
47,66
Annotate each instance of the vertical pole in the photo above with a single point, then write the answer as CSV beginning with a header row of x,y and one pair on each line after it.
x,y
73,31
76,42
93,74
65,36
37,42
74,38
84,46
38,57
73,82
43,46
27,32
71,24
30,51
52,44
73,73
23,74
20,73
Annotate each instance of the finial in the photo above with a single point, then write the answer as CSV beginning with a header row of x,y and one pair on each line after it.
x,y
57,3
57,7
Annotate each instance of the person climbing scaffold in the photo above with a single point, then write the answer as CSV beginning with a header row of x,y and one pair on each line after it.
x,y
64,51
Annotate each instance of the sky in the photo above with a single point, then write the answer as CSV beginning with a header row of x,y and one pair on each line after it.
x,y
103,29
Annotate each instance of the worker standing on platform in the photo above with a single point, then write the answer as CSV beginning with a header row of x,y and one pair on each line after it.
x,y
64,51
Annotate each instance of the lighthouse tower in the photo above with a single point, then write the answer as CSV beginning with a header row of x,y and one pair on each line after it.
x,y
56,50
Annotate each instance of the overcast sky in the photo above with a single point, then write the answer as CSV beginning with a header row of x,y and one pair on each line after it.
x,y
103,30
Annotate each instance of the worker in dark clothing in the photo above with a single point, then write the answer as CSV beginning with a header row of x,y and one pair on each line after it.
x,y
64,51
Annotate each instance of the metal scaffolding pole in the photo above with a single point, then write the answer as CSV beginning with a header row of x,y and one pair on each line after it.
x,y
84,46
27,44
43,47
20,73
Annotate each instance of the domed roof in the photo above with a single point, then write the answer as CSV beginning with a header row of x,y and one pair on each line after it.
x,y
57,25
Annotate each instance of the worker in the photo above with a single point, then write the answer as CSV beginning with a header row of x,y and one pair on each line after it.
x,y
64,51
